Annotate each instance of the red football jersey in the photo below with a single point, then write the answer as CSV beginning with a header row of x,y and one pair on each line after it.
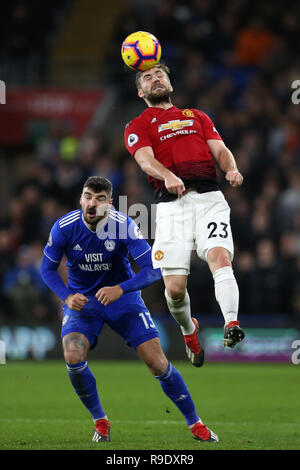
x,y
178,139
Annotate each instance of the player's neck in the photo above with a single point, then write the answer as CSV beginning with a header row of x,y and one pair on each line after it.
x,y
163,105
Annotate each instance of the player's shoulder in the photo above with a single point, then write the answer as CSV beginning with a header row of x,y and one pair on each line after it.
x,y
68,220
141,120
201,114
127,226
118,216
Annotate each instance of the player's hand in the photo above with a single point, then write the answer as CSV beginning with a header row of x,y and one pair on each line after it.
x,y
76,301
234,178
107,295
174,184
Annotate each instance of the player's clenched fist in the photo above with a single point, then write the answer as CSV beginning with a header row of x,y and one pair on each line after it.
x,y
234,178
106,295
76,301
174,184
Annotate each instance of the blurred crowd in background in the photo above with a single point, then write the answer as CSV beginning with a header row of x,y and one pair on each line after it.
x,y
233,59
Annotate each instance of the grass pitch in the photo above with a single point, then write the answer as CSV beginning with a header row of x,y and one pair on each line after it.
x,y
250,406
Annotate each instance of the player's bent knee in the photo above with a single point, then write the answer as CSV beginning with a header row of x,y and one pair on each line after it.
x,y
175,286
161,367
153,356
158,366
218,257
176,292
74,358
75,347
176,289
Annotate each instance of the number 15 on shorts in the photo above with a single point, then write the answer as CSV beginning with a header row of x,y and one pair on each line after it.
x,y
147,320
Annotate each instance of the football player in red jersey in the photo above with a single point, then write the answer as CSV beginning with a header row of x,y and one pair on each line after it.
x,y
174,147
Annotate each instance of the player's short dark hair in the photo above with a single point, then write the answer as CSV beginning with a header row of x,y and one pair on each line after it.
x,y
160,65
98,183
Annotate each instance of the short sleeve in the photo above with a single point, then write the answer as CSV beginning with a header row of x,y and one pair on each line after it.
x,y
136,136
55,246
209,129
135,242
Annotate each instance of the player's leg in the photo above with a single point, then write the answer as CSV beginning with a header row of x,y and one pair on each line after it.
x,y
226,288
174,387
75,347
172,249
227,293
134,323
178,299
215,246
171,252
178,302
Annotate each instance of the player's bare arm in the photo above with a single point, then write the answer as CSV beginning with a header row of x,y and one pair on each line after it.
x,y
226,162
148,163
76,301
107,295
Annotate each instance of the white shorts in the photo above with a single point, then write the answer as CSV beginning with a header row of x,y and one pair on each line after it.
x,y
194,222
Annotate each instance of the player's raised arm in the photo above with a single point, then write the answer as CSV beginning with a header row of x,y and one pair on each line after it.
x,y
148,163
226,161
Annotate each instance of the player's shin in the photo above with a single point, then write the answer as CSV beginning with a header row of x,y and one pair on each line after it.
x,y
84,384
227,293
181,311
175,388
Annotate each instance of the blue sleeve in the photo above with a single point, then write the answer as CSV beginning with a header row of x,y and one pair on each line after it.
x,y
145,277
135,242
52,279
53,253
56,244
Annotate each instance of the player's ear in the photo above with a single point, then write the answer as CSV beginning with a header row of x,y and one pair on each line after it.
x,y
140,93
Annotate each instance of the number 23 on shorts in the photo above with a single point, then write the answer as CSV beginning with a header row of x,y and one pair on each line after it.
x,y
217,230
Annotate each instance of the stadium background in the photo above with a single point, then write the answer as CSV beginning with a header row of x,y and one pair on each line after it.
x,y
68,98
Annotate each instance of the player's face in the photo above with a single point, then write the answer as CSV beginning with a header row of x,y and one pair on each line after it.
x,y
94,206
155,86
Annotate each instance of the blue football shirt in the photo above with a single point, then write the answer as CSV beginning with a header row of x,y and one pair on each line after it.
x,y
96,259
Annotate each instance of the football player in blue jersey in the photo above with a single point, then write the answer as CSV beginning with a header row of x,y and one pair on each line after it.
x,y
102,288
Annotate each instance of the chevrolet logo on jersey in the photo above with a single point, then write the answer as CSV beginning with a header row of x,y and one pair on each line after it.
x,y
175,125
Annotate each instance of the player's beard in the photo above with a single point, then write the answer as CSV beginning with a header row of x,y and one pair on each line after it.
x,y
93,216
155,98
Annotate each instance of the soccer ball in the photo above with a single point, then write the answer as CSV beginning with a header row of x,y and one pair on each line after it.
x,y
141,51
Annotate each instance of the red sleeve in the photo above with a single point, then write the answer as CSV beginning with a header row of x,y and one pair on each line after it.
x,y
136,136
209,130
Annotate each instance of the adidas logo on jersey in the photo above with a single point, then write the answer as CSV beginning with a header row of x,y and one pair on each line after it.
x,y
77,247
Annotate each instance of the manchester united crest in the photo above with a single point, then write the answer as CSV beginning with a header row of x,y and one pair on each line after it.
x,y
158,255
188,113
